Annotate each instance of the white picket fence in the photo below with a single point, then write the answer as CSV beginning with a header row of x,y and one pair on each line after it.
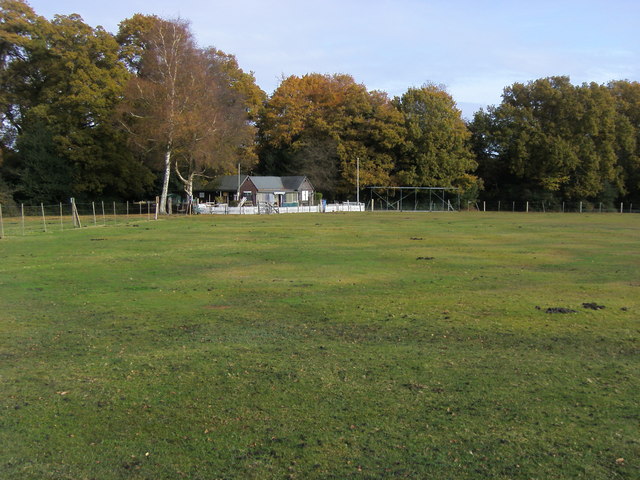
x,y
224,209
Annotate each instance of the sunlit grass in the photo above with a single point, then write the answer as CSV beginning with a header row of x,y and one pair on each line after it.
x,y
323,346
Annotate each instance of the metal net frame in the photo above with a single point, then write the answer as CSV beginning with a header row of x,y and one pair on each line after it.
x,y
416,199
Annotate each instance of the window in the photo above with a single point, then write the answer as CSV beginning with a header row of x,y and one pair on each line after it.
x,y
291,197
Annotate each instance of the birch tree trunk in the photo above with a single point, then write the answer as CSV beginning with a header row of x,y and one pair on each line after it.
x,y
165,181
187,184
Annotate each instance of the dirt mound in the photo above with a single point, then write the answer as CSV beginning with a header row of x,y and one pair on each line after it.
x,y
593,306
559,310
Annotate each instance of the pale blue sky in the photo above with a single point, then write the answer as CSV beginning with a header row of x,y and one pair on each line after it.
x,y
473,47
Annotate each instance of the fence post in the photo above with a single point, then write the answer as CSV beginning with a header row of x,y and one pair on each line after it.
x,y
484,206
148,210
513,206
155,214
44,219
600,207
93,206
621,204
562,207
498,205
1,223
61,222
22,215
527,207
580,207
127,209
543,210
115,216
74,213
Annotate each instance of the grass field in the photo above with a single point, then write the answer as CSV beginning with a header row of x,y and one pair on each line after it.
x,y
323,346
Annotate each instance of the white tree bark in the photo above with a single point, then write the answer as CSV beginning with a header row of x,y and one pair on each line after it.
x,y
165,181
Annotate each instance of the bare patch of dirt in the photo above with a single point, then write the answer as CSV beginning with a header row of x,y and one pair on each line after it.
x,y
593,306
559,310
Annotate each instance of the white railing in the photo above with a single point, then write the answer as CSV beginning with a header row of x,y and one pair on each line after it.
x,y
345,207
224,209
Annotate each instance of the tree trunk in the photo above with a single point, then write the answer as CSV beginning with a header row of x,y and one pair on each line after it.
x,y
165,181
188,188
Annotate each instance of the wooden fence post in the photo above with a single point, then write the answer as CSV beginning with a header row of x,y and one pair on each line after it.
x,y
93,206
75,214
44,219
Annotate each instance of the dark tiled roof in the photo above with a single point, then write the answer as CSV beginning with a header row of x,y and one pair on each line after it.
x,y
228,183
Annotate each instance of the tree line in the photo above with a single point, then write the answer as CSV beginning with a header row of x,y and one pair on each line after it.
x,y
146,111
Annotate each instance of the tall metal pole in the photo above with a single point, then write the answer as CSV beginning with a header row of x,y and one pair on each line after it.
x,y
238,194
358,180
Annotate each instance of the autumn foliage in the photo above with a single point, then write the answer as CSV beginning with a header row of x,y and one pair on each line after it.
x,y
148,111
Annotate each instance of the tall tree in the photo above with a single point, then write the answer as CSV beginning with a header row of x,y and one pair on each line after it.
x,y
65,76
435,151
320,125
159,98
627,99
551,138
220,133
192,107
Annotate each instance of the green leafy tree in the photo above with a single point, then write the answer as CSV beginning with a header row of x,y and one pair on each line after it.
x,y
66,76
550,138
627,100
435,151
40,174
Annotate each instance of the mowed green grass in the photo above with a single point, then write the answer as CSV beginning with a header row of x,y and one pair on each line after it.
x,y
391,345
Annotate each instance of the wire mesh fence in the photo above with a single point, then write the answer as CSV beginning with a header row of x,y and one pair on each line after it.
x,y
19,220
549,207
